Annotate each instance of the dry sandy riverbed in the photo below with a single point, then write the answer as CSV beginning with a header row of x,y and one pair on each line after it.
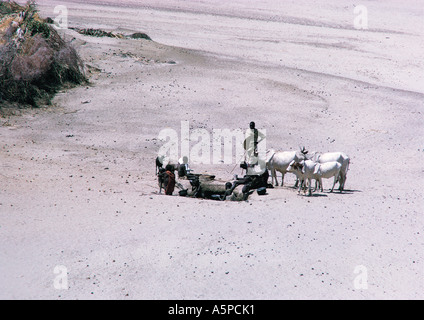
x,y
78,188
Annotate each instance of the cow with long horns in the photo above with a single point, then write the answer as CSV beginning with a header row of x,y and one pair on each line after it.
x,y
280,161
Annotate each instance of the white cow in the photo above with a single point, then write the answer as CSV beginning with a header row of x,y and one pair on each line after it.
x,y
280,161
340,157
308,170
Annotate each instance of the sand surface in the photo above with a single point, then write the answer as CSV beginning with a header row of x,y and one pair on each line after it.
x,y
78,186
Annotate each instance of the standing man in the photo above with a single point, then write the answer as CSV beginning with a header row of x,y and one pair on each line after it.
x,y
251,144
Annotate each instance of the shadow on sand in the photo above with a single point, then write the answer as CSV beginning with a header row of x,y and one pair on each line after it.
x,y
326,192
345,191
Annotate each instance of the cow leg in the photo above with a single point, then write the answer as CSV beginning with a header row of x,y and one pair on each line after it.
x,y
301,186
310,183
305,184
274,176
282,179
342,182
334,183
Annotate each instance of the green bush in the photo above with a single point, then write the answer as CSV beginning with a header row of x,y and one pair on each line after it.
x,y
38,27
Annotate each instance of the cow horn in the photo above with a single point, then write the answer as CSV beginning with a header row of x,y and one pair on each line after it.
x,y
302,150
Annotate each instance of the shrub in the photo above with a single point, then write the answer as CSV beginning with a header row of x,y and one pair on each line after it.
x,y
34,67
35,27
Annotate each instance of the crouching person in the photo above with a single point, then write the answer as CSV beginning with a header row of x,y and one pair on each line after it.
x,y
183,168
257,177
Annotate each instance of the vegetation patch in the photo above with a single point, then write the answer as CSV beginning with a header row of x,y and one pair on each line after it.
x,y
35,62
101,33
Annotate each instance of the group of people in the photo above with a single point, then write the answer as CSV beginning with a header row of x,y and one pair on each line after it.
x,y
166,176
256,173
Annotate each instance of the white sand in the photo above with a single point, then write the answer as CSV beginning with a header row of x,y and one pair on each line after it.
x,y
77,180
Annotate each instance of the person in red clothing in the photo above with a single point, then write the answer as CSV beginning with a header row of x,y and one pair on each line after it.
x,y
166,179
169,180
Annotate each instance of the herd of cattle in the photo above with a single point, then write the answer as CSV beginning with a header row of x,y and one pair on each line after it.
x,y
306,166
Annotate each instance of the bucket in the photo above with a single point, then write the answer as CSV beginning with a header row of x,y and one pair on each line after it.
x,y
261,191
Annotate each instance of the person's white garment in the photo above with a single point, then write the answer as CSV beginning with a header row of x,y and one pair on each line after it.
x,y
249,145
257,169
184,161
